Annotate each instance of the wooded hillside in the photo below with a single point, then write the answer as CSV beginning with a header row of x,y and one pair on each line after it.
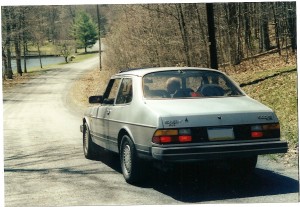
x,y
177,34
145,35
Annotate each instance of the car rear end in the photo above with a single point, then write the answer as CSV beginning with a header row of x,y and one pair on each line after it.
x,y
208,117
194,133
206,143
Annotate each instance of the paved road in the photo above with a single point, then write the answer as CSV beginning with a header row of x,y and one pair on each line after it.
x,y
44,164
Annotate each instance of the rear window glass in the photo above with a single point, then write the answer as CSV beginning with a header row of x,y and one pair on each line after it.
x,y
188,84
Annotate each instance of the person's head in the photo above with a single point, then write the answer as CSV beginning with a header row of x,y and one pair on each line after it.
x,y
173,84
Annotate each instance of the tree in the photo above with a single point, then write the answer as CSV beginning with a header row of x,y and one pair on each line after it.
x,y
211,34
99,37
65,47
184,33
16,27
85,31
265,43
7,38
292,24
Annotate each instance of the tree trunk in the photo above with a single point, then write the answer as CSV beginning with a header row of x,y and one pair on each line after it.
x,y
276,28
211,35
203,34
184,34
232,12
4,64
239,45
247,33
8,69
40,57
292,25
264,30
24,57
24,39
99,37
18,56
9,72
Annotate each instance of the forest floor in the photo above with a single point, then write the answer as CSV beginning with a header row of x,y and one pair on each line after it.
x,y
271,79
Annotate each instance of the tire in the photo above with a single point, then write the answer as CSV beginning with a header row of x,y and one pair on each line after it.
x,y
130,163
89,147
243,166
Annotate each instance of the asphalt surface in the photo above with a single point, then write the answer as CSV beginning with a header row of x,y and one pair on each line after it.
x,y
44,163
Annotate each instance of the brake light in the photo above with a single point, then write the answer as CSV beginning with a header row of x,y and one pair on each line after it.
x,y
169,136
265,130
165,139
185,138
257,134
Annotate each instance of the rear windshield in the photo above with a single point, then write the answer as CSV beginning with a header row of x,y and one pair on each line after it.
x,y
188,84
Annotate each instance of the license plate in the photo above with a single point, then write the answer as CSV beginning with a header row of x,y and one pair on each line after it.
x,y
220,134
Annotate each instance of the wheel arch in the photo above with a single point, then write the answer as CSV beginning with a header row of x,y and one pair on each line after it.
x,y
122,132
85,120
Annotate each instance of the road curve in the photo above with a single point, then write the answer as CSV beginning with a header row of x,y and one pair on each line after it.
x,y
44,164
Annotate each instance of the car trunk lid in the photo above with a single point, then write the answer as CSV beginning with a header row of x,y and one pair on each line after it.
x,y
180,113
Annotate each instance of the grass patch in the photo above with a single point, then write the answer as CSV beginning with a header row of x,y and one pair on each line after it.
x,y
47,48
83,56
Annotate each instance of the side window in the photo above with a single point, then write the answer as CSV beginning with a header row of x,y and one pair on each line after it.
x,y
125,92
111,91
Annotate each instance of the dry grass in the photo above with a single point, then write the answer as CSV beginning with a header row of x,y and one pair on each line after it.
x,y
17,79
92,83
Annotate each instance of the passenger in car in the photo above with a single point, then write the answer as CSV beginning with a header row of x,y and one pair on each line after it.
x,y
173,85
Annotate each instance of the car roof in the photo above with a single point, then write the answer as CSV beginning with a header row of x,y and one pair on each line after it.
x,y
144,71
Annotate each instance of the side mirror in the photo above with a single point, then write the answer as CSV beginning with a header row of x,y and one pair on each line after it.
x,y
95,99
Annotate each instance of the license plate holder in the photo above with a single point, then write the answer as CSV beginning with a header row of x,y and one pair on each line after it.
x,y
220,133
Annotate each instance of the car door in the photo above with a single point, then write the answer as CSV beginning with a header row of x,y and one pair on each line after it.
x,y
101,122
118,112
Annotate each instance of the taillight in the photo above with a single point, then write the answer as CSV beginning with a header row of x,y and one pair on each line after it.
x,y
257,134
271,127
185,138
172,136
165,139
265,130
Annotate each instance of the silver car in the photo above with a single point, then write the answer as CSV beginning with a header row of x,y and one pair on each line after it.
x,y
172,115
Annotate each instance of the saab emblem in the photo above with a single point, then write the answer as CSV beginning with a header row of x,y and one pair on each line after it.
x,y
266,117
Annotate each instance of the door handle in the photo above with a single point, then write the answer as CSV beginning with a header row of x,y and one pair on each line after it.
x,y
108,111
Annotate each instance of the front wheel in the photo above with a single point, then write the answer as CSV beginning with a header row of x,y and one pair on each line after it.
x,y
89,147
130,163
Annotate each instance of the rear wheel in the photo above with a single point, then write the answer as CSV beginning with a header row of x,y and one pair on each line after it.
x,y
89,147
130,163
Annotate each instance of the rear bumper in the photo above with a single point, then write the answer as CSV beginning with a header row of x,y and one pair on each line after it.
x,y
217,151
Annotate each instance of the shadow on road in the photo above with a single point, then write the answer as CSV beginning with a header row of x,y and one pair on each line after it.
x,y
208,182
212,184
187,183
110,159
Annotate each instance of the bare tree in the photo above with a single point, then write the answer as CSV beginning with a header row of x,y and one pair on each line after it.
x,y
211,34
